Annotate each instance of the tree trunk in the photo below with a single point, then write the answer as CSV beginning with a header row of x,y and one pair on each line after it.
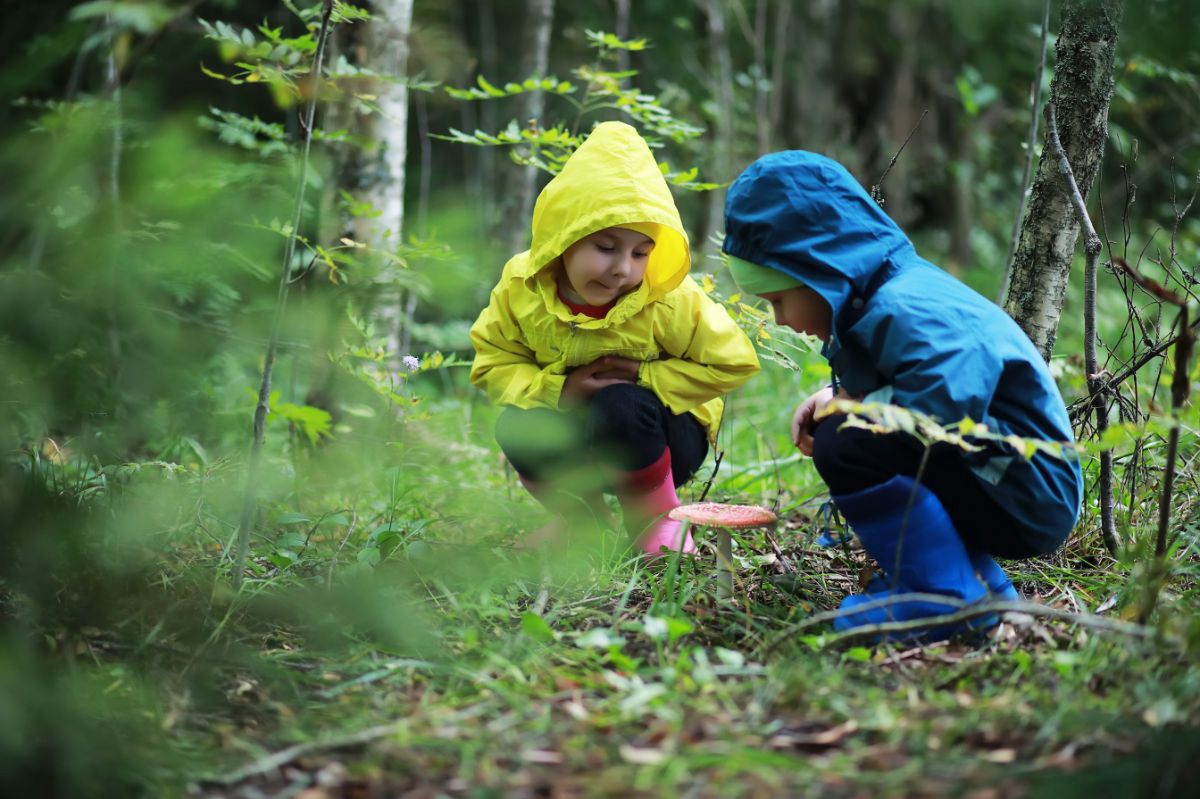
x,y
813,111
756,36
622,32
1080,92
539,16
722,89
783,19
380,176
489,65
903,111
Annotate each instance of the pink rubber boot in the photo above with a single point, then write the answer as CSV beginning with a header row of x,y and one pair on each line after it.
x,y
647,496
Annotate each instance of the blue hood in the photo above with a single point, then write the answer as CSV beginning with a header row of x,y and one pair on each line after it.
x,y
806,215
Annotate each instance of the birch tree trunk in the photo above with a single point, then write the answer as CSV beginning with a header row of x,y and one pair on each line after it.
x,y
380,176
1080,91
539,17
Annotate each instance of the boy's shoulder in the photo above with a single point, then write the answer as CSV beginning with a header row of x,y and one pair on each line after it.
x,y
928,299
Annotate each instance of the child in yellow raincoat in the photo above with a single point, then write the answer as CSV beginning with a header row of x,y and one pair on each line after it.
x,y
610,360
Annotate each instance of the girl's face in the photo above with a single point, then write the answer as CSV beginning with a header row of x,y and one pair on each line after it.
x,y
601,267
803,310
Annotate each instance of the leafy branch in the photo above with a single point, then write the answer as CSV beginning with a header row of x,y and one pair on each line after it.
x,y
593,89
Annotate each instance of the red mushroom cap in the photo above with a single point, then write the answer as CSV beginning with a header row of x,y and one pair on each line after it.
x,y
718,514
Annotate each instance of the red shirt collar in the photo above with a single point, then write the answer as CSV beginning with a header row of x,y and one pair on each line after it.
x,y
594,311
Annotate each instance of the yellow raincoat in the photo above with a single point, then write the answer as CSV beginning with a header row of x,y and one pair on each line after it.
x,y
527,339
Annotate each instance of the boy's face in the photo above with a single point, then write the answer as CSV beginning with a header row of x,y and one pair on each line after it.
x,y
601,267
803,310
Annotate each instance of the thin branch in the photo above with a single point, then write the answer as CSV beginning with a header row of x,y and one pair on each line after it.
x,y
1092,247
877,188
250,505
275,760
964,611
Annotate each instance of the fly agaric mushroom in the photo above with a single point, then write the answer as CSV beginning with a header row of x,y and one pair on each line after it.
x,y
724,518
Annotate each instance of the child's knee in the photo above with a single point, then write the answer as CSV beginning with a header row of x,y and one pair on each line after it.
x,y
622,407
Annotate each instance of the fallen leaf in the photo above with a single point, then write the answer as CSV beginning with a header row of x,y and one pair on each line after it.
x,y
543,756
642,757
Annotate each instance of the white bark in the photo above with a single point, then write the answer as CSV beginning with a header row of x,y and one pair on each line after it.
x,y
539,16
1080,92
387,42
382,177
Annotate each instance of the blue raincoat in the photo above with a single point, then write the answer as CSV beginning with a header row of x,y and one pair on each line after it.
x,y
906,331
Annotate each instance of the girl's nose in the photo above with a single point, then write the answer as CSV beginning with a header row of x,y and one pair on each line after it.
x,y
623,265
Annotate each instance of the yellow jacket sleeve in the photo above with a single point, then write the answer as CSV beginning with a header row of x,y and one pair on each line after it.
x,y
505,368
706,354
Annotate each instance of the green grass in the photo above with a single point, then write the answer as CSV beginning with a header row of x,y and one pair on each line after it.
x,y
390,631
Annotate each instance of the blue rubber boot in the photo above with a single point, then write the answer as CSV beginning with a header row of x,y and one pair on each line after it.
x,y
997,582
994,578
902,517
830,535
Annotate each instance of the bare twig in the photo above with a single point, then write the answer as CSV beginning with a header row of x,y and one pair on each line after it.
x,y
964,611
877,188
1180,387
1034,118
274,760
1096,383
250,505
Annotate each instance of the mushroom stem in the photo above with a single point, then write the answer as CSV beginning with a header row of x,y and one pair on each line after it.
x,y
724,563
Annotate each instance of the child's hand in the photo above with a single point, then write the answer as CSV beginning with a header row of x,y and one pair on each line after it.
x,y
802,420
601,373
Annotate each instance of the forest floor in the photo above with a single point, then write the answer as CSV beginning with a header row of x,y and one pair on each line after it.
x,y
629,679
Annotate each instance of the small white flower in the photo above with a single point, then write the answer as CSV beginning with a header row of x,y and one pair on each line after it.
x,y
411,363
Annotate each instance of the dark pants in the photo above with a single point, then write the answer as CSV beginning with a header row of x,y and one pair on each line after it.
x,y
852,459
623,428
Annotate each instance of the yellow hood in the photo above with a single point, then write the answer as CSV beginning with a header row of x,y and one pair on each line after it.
x,y
612,180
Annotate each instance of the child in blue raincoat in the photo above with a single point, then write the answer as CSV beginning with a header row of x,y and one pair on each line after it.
x,y
803,234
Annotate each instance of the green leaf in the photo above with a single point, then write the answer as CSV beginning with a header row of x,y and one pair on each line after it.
x,y
290,540
489,88
859,653
536,627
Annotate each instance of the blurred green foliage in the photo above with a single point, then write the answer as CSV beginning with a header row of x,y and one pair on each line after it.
x,y
139,250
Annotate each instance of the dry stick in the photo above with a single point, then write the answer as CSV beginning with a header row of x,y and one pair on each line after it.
x,y
285,756
1096,383
249,506
1014,238
1145,358
965,612
877,189
1180,388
